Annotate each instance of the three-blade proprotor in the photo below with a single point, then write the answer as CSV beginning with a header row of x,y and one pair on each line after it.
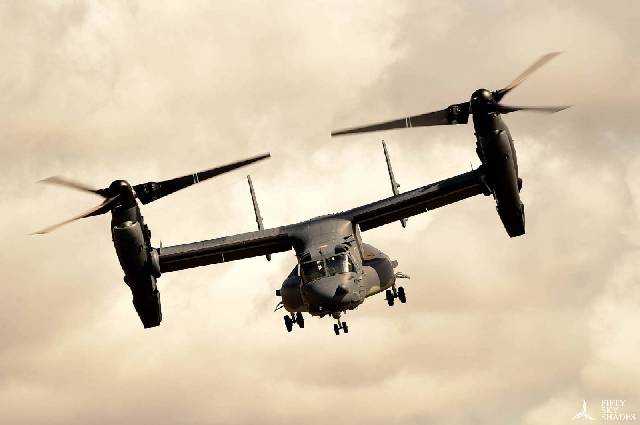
x,y
459,113
152,191
499,94
65,182
505,109
97,210
454,114
120,192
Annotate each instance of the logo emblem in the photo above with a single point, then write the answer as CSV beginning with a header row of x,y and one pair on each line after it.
x,y
583,413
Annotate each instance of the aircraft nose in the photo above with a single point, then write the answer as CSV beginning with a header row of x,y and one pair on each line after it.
x,y
328,291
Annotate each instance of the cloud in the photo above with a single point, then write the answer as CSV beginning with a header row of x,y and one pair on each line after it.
x,y
495,330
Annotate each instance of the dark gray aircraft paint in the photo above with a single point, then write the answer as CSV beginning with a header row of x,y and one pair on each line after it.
x,y
494,144
131,237
335,271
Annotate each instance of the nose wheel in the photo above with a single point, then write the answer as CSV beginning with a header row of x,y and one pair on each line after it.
x,y
294,319
339,326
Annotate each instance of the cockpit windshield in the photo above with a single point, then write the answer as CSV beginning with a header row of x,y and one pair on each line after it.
x,y
340,263
312,270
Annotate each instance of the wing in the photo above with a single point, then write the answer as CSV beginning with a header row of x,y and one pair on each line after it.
x,y
227,248
417,201
269,241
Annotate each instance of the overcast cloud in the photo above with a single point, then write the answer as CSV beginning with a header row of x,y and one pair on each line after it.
x,y
496,330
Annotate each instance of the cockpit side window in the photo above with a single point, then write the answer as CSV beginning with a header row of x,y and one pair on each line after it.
x,y
312,270
350,266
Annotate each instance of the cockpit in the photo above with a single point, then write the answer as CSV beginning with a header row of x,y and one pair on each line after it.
x,y
329,266
312,270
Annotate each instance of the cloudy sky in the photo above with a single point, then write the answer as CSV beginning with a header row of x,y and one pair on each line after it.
x,y
496,330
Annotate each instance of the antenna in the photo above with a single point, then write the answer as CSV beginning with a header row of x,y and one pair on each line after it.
x,y
394,184
256,209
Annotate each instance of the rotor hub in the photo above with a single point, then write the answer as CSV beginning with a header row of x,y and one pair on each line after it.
x,y
482,100
123,189
482,96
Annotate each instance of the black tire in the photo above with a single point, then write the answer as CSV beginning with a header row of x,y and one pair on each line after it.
x,y
288,323
345,328
300,320
390,298
336,329
401,295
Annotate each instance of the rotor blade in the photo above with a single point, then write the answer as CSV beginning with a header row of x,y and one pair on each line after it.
x,y
151,191
525,74
454,114
63,181
505,109
97,210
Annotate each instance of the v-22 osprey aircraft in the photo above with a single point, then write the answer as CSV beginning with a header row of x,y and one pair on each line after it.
x,y
335,271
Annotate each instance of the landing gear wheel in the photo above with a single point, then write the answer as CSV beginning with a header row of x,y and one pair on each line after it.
x,y
345,328
401,295
288,323
300,320
336,329
390,298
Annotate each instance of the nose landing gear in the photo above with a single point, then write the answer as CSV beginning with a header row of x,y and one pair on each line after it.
x,y
294,318
338,326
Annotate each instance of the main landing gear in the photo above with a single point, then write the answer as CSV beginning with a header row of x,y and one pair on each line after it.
x,y
394,293
340,325
294,318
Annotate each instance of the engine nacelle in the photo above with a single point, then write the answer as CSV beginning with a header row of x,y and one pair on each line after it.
x,y
154,263
141,267
129,242
499,164
513,220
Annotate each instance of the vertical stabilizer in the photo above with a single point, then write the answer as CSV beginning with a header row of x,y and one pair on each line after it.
x,y
394,184
256,209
